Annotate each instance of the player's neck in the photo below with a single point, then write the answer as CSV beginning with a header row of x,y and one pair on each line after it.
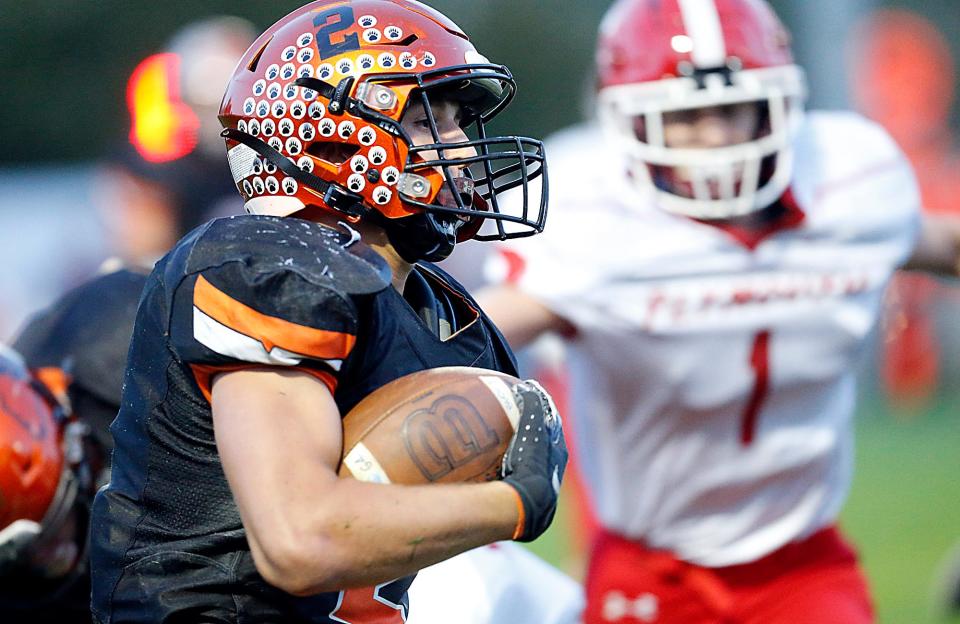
x,y
375,238
399,268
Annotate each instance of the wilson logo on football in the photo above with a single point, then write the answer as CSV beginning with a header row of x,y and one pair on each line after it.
x,y
448,435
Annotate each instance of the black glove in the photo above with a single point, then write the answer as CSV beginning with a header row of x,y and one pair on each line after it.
x,y
535,459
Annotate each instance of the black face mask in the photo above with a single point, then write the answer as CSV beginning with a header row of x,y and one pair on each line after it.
x,y
425,236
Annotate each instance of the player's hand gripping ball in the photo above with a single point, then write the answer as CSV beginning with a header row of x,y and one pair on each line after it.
x,y
536,459
459,425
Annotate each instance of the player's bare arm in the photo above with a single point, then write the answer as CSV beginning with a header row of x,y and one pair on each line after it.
x,y
279,437
938,246
520,317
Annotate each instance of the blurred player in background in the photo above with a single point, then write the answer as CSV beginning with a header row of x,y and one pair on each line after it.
x,y
903,77
346,127
55,444
719,261
45,490
171,175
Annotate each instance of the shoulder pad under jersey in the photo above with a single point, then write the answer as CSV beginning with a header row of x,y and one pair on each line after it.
x,y
334,258
87,333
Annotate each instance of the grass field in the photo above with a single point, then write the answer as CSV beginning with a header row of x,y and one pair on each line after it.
x,y
903,513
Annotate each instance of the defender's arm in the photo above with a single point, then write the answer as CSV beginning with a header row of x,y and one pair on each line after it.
x,y
938,248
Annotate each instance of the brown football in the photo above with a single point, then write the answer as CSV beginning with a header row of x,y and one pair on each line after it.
x,y
442,425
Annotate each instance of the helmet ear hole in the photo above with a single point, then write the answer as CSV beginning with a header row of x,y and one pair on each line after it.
x,y
334,153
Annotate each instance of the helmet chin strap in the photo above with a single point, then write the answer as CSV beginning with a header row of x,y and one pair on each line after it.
x,y
423,236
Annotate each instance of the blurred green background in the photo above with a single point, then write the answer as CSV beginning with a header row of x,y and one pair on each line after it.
x,y
64,63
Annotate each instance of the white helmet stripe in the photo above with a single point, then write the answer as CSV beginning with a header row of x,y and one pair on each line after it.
x,y
702,21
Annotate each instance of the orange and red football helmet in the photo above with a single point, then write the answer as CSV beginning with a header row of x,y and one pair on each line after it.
x,y
37,481
659,56
312,117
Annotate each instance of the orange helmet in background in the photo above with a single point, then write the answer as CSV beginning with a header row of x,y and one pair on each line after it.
x,y
312,117
37,487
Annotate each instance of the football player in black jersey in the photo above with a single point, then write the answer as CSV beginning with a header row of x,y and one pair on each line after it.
x,y
55,444
348,133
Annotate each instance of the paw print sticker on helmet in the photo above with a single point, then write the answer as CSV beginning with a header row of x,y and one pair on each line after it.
x,y
253,128
356,183
378,156
294,146
382,195
390,176
290,91
263,108
306,164
287,71
257,166
249,105
259,87
387,60
305,55
273,91
408,60
429,60
359,164
327,127
288,53
307,132
242,125
286,127
268,127
258,186
309,95
276,143
290,186
367,21
393,33
367,136
345,66
366,61
305,71
325,71
279,108
298,110
346,129
273,72
247,188
269,167
305,39
273,185
372,35
316,111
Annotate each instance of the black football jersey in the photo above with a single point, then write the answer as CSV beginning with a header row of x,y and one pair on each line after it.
x,y
85,334
251,291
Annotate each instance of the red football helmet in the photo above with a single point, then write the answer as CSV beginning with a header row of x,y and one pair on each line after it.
x,y
662,56
37,481
312,117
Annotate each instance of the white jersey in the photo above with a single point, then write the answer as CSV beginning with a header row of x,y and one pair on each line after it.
x,y
501,583
713,384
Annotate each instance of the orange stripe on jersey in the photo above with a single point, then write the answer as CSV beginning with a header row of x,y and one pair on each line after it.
x,y
204,374
268,330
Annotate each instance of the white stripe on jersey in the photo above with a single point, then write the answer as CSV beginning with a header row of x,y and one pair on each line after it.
x,y
702,21
223,340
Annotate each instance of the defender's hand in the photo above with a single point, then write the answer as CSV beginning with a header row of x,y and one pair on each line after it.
x,y
535,459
